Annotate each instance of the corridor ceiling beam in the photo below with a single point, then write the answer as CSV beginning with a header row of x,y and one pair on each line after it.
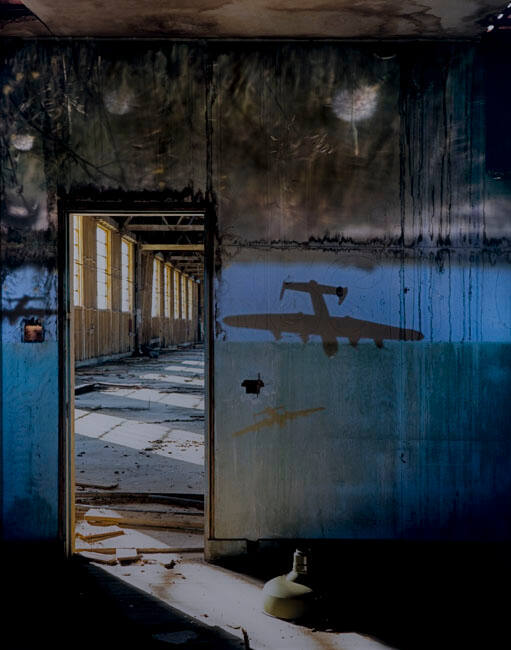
x,y
160,227
172,247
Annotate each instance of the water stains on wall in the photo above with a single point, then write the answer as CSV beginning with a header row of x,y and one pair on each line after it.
x,y
367,173
324,165
81,121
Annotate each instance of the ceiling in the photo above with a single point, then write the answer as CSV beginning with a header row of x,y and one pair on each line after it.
x,y
249,18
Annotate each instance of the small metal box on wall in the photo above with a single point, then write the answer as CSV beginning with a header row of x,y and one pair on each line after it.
x,y
32,331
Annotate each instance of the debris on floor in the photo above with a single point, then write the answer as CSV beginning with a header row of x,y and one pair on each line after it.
x,y
140,423
96,486
101,516
87,532
139,546
143,514
100,558
127,555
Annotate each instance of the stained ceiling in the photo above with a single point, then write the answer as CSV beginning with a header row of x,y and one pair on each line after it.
x,y
249,18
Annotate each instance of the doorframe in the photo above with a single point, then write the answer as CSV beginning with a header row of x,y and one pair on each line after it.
x,y
66,208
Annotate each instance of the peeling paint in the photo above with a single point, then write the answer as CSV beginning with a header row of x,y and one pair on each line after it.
x,y
400,212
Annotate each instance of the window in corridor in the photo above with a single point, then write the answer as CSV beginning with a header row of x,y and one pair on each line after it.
x,y
167,294
77,260
103,268
183,297
190,298
156,295
176,293
126,276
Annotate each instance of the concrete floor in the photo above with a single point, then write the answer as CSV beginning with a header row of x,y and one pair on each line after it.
x,y
229,601
404,596
220,598
146,435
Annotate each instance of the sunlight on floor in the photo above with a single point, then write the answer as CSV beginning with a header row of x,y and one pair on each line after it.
x,y
177,443
231,601
197,371
174,379
172,399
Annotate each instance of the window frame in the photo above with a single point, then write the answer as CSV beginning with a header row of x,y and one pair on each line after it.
x,y
190,299
167,290
177,290
183,296
156,289
78,261
107,271
127,281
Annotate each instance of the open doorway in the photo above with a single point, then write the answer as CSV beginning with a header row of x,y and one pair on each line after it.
x,y
137,351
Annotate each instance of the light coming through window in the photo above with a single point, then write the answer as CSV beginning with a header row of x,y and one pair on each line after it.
x,y
190,299
176,293
77,261
103,274
126,276
156,297
167,279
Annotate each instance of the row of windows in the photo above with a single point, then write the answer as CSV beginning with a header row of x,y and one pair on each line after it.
x,y
181,296
177,292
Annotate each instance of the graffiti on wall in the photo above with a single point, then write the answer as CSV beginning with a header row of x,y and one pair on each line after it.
x,y
321,323
276,416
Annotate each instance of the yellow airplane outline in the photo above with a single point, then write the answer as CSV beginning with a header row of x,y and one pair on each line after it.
x,y
276,418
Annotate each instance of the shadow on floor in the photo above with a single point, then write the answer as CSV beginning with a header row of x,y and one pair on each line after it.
x,y
411,596
53,603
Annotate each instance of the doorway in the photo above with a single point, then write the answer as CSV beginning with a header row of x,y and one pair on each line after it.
x,y
136,380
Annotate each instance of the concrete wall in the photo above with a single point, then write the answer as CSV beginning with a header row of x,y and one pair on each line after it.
x,y
122,122
339,167
324,163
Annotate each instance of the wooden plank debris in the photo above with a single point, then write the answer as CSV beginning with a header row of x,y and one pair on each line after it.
x,y
101,558
137,517
112,500
101,516
90,533
171,549
97,486
142,550
125,555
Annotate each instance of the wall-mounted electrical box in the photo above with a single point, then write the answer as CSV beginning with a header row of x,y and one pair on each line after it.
x,y
33,331
253,386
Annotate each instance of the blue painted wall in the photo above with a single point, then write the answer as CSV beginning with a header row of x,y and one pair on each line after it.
x,y
30,442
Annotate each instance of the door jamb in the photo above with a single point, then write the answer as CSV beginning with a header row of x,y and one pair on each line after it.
x,y
67,375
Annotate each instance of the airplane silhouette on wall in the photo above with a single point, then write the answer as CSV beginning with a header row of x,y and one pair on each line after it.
x,y
328,327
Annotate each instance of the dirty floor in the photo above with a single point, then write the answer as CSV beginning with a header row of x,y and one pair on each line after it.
x,y
409,597
139,423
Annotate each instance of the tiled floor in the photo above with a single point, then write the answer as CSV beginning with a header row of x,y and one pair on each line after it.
x,y
147,435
